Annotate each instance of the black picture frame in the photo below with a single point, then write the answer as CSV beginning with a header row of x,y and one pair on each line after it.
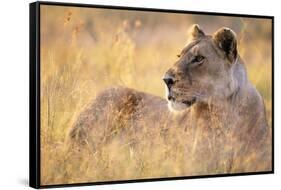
x,y
34,92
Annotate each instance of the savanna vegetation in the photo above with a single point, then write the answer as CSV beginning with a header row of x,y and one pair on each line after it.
x,y
84,51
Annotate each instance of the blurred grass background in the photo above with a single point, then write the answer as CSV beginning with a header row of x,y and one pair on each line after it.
x,y
85,50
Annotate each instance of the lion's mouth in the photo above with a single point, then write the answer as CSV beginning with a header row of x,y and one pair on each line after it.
x,y
175,105
189,103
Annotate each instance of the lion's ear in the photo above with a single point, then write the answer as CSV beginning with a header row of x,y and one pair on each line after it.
x,y
196,31
225,39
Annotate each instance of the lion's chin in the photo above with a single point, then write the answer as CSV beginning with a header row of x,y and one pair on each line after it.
x,y
177,106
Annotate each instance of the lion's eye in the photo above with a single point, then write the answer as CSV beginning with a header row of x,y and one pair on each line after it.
x,y
198,59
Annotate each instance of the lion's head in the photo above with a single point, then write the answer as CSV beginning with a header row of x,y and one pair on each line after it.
x,y
203,71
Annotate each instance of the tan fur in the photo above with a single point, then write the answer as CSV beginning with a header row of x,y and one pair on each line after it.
x,y
227,121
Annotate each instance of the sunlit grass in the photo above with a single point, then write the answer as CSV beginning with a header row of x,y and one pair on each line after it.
x,y
84,52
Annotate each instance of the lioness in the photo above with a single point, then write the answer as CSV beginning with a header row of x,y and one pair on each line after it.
x,y
212,106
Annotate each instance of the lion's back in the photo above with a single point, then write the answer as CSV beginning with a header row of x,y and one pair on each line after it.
x,y
113,109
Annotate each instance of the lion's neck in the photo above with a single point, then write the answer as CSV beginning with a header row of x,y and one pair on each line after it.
x,y
239,73
237,84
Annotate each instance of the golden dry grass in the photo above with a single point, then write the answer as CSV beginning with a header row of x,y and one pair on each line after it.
x,y
84,51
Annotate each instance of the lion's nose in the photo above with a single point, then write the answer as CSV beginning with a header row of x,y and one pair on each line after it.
x,y
169,80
